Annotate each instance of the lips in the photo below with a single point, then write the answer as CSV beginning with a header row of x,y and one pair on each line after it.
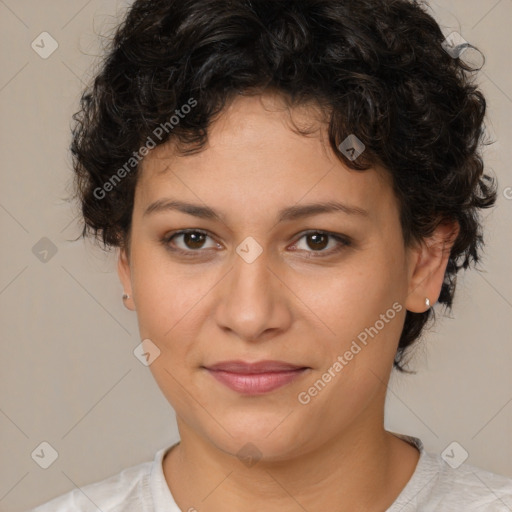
x,y
258,367
255,378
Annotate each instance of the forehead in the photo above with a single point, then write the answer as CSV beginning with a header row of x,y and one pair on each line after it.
x,y
253,157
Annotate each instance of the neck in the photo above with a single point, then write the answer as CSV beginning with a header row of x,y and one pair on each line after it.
x,y
361,468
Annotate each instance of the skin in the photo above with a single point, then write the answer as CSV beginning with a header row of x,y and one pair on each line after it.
x,y
294,302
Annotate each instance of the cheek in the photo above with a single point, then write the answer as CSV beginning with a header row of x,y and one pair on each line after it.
x,y
352,297
360,314
175,387
164,294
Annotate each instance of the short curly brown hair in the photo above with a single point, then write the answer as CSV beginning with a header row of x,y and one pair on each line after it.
x,y
378,68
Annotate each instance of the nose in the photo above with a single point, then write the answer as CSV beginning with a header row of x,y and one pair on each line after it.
x,y
254,302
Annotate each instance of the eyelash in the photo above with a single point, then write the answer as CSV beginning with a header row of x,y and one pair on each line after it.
x,y
344,242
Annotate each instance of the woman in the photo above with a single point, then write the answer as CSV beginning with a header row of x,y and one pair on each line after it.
x,y
292,187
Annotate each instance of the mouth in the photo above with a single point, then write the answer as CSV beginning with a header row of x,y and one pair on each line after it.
x,y
255,378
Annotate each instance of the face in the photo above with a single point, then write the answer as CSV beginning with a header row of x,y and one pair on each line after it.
x,y
267,279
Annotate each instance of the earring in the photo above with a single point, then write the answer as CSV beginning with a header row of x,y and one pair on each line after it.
x,y
427,302
125,296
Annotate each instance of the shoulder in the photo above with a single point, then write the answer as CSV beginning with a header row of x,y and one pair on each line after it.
x,y
439,485
435,486
473,487
127,491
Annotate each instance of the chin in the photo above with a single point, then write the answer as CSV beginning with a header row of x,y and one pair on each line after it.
x,y
255,438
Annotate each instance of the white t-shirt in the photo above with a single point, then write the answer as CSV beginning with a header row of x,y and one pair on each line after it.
x,y
434,487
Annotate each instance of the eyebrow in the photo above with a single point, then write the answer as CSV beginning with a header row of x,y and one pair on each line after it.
x,y
286,214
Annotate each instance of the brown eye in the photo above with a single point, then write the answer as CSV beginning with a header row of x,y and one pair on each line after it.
x,y
317,243
194,240
188,241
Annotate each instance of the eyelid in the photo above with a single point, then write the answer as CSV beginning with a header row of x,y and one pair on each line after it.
x,y
166,240
343,240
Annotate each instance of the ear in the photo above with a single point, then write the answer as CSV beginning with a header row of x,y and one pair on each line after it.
x,y
124,273
427,266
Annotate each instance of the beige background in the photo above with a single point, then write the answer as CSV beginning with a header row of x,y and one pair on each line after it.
x,y
68,375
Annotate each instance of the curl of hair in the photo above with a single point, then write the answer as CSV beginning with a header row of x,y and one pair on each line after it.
x,y
376,67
